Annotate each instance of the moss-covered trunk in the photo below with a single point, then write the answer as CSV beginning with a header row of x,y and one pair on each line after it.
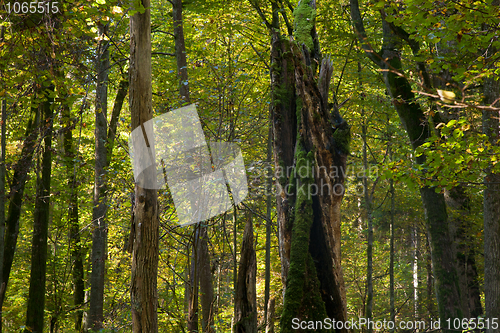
x,y
310,149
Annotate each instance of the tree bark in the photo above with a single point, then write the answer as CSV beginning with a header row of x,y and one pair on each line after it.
x,y
205,278
245,320
491,208
36,296
3,111
269,206
180,51
99,227
270,316
145,224
310,145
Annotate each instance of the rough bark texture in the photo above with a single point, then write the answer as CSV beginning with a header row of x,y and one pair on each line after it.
x,y
145,225
284,122
36,296
310,149
245,320
491,208
205,278
418,130
99,227
192,320
180,51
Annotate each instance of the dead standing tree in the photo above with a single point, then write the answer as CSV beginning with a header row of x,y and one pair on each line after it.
x,y
311,144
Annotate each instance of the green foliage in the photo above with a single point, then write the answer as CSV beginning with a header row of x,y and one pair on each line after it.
x,y
304,21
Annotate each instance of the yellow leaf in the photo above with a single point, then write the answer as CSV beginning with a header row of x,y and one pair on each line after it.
x,y
446,96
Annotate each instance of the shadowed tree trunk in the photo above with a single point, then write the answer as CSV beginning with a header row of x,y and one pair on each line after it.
x,y
36,297
491,207
3,106
418,130
99,227
245,320
145,224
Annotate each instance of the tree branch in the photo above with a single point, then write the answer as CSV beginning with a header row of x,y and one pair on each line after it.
x,y
359,28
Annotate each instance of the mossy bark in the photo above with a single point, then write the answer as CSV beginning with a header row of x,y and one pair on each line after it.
x,y
306,158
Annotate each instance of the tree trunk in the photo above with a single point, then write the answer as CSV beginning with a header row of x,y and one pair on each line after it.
x,y
74,235
180,51
245,320
99,228
205,278
3,107
269,207
391,262
145,224
36,296
270,316
491,207
369,219
192,324
418,130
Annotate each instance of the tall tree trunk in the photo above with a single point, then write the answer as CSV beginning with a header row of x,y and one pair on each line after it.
x,y
145,224
269,206
369,219
418,130
391,262
192,324
245,320
491,207
180,51
74,234
3,111
416,246
99,228
36,296
205,278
